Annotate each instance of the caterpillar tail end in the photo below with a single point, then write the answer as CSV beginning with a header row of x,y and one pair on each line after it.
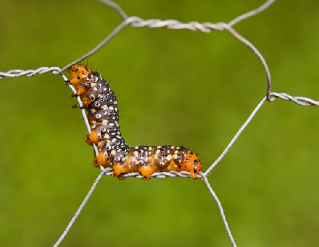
x,y
192,165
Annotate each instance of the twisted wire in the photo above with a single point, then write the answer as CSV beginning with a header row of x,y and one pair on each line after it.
x,y
170,24
30,73
302,101
174,24
172,174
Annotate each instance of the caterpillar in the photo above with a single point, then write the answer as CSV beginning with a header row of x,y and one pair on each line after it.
x,y
101,105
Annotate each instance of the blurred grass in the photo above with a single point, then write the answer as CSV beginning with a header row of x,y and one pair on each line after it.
x,y
173,87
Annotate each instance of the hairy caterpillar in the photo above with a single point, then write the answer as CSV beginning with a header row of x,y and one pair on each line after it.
x,y
103,116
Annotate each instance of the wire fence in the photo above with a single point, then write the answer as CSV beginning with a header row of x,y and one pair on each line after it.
x,y
171,24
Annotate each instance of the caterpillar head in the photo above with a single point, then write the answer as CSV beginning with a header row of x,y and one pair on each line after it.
x,y
191,164
77,72
78,69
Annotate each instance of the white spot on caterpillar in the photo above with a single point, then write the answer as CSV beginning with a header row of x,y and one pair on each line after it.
x,y
111,107
175,156
113,152
158,151
150,148
106,136
98,116
136,147
159,146
93,84
93,110
169,157
136,153
105,122
162,163
104,107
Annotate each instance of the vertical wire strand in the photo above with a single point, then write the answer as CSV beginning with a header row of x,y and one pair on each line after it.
x,y
257,53
84,116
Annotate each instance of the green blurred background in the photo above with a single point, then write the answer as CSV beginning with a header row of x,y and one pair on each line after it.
x,y
173,87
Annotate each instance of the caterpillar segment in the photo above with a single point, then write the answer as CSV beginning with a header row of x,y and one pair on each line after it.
x,y
103,116
150,159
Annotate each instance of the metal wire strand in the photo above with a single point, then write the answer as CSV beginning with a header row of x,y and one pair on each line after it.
x,y
86,121
77,213
302,101
260,9
30,73
116,7
155,23
235,137
222,214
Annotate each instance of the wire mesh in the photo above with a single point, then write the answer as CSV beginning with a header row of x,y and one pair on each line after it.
x,y
172,24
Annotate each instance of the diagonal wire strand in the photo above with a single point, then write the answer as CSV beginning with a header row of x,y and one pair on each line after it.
x,y
222,214
260,9
235,137
174,24
65,232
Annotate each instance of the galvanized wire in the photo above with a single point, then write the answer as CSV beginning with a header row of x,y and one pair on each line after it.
x,y
30,73
302,101
171,24
174,24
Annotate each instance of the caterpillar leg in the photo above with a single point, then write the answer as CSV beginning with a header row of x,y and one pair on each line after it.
x,y
101,159
118,170
146,171
94,137
81,88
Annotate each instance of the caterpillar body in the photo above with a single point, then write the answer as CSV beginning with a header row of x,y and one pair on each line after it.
x,y
103,116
